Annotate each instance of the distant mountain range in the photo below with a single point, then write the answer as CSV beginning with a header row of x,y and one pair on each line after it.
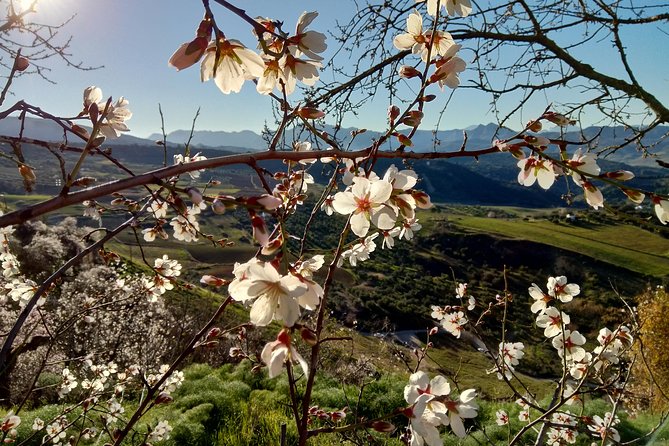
x,y
423,141
490,180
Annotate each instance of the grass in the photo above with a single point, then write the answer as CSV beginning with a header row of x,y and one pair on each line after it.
x,y
621,245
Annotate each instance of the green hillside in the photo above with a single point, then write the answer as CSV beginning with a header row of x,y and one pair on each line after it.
x,y
618,244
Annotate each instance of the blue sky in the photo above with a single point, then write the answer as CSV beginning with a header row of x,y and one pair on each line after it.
x,y
133,39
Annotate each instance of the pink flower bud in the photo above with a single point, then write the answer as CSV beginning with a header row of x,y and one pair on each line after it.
x,y
195,195
408,72
269,202
558,119
310,113
422,199
236,352
434,331
273,246
189,53
260,232
208,279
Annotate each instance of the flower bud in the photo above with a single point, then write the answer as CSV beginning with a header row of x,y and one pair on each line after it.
x,y
79,130
84,182
269,202
393,112
310,113
208,279
213,333
27,173
635,196
188,53
534,126
404,140
195,195
537,141
408,72
21,63
428,98
260,231
422,199
620,175
434,331
218,206
558,119
413,118
383,426
338,415
164,398
273,246
94,112
236,352
308,336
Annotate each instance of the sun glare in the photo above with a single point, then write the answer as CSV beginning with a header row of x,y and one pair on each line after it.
x,y
25,5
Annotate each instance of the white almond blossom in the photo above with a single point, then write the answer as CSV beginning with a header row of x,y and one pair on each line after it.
x,y
533,169
585,163
552,320
408,228
185,159
501,418
275,354
236,63
423,423
161,431
421,384
437,43
661,207
403,182
568,344
186,227
453,7
603,427
327,205
561,290
159,207
541,299
449,67
359,252
309,43
458,410
454,323
314,293
389,238
275,296
366,201
510,354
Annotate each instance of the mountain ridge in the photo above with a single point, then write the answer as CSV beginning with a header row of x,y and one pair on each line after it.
x,y
482,135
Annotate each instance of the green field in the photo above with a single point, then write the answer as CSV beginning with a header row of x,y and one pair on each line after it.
x,y
618,244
